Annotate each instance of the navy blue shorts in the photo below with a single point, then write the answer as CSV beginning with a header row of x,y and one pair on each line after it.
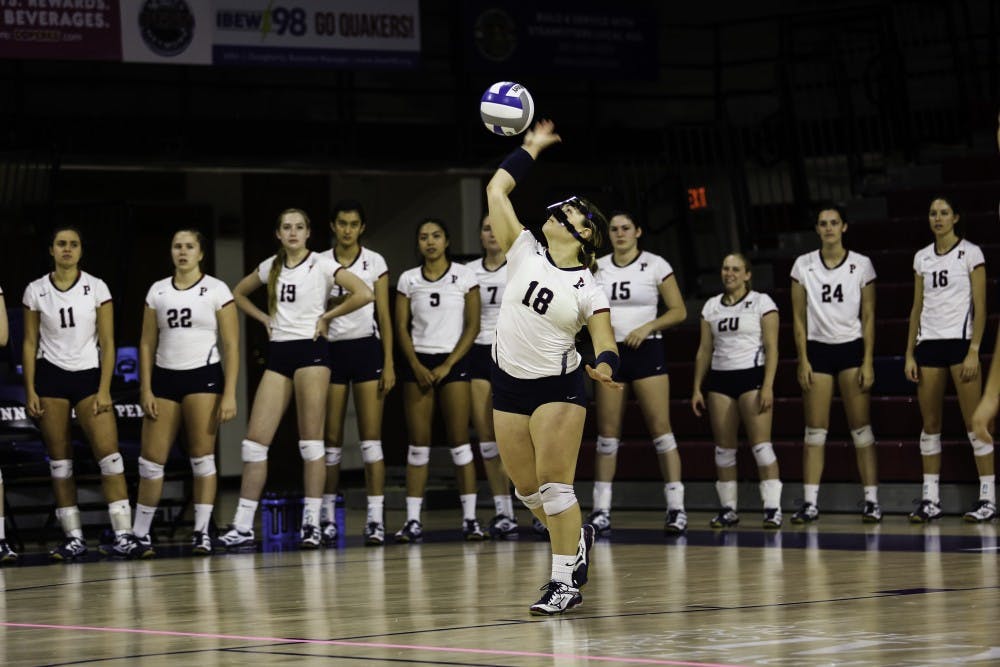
x,y
831,358
644,361
286,357
735,383
481,362
523,397
357,360
74,386
941,353
459,372
175,385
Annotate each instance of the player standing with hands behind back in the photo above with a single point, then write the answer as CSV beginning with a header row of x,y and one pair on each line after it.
x,y
539,397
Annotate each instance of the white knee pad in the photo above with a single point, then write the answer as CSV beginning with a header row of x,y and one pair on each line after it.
x,y
461,455
607,446
815,437
371,451
725,457
930,444
979,447
489,450
150,469
763,452
253,452
61,468
203,466
557,497
863,437
418,456
112,464
665,443
531,501
333,455
311,450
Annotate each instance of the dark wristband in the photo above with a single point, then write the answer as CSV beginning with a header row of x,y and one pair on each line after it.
x,y
610,358
518,163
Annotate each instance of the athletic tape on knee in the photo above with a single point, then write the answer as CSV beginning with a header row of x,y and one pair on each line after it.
x,y
333,455
607,446
311,450
763,453
112,464
253,452
461,455
150,469
371,451
489,450
979,448
531,501
203,466
665,443
557,497
61,468
418,456
863,437
930,443
725,457
815,437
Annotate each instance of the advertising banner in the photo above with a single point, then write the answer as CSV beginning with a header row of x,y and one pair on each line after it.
x,y
318,33
588,38
60,29
167,31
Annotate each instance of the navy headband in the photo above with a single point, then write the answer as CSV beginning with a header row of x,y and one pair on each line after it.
x,y
555,210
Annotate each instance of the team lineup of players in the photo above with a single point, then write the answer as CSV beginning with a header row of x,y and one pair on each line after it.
x,y
491,342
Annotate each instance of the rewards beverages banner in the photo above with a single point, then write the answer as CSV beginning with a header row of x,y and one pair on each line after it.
x,y
60,29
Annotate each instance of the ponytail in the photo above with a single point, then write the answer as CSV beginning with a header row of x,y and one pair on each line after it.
x,y
272,281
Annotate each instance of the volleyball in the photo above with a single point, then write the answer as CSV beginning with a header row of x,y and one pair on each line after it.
x,y
507,108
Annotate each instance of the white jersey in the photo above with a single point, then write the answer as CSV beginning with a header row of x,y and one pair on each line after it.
x,y
947,311
67,336
833,295
187,322
543,309
361,323
437,307
633,290
738,341
491,288
301,291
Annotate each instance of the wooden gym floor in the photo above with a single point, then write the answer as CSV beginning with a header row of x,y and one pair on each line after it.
x,y
836,593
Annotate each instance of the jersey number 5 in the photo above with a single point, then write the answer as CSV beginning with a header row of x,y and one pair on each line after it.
x,y
542,300
831,293
179,318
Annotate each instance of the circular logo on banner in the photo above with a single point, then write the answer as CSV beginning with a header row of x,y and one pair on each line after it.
x,y
495,34
167,26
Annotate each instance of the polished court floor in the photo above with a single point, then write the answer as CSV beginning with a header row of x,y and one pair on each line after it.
x,y
837,593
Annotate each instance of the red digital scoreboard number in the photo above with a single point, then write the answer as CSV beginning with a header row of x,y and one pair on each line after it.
x,y
697,198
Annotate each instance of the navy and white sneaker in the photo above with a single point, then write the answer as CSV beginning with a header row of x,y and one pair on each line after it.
x,y
871,512
124,545
983,511
676,522
142,547
558,597
329,533
233,539
71,549
201,543
7,554
772,517
808,513
472,531
601,521
374,534
927,511
412,531
726,518
581,567
309,536
503,527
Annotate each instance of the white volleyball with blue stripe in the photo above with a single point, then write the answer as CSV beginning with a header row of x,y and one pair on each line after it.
x,y
507,108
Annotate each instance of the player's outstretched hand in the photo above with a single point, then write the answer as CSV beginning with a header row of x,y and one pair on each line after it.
x,y
603,378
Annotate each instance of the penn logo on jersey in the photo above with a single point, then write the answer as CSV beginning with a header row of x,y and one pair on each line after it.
x,y
86,289
853,266
643,265
579,283
454,279
202,291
